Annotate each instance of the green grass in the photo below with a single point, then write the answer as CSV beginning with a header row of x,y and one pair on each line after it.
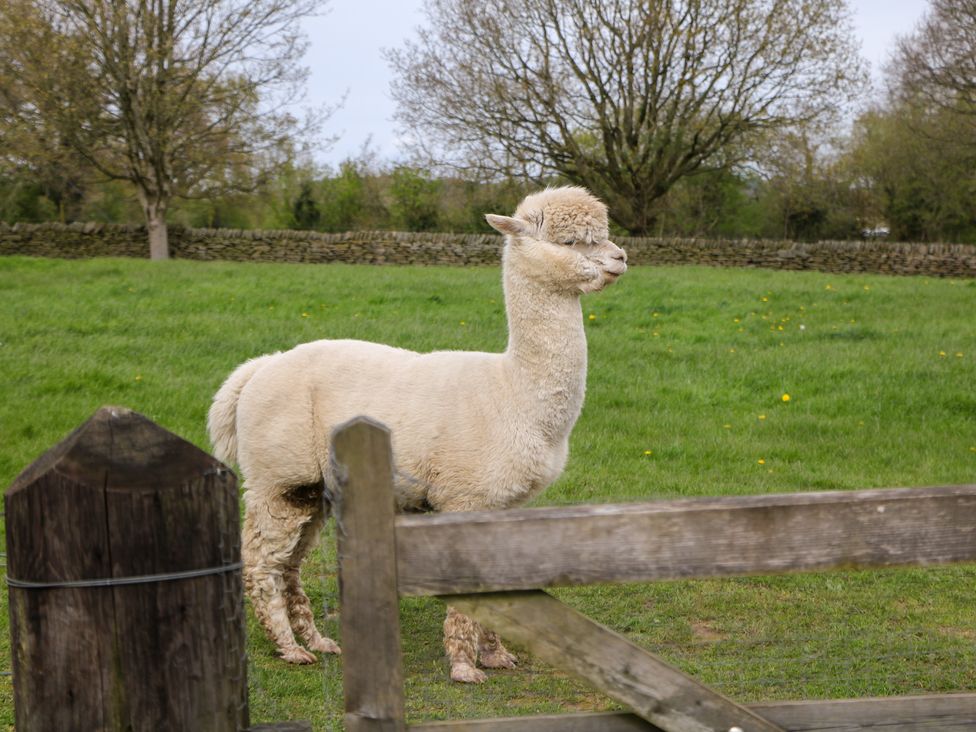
x,y
688,367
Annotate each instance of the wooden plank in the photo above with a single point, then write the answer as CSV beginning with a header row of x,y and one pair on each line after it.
x,y
942,712
625,672
372,671
122,498
713,537
939,713
581,722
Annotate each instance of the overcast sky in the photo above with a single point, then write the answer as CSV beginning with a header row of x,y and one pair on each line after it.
x,y
345,55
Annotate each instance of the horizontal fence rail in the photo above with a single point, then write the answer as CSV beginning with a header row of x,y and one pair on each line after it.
x,y
491,566
937,713
713,537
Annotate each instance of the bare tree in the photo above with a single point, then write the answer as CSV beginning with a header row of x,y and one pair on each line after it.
x,y
623,96
937,63
178,97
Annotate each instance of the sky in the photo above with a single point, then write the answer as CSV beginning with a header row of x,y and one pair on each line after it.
x,y
345,57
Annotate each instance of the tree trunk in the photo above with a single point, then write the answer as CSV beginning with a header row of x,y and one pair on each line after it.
x,y
155,212
158,237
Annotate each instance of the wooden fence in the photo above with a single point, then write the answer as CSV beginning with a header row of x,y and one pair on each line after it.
x,y
491,566
126,603
124,575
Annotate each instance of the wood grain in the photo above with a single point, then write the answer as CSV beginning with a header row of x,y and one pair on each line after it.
x,y
935,713
713,537
654,690
122,497
372,671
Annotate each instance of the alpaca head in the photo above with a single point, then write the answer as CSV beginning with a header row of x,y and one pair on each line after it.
x,y
559,239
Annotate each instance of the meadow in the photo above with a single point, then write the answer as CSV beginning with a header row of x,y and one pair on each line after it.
x,y
702,382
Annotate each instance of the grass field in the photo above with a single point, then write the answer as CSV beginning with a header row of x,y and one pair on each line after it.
x,y
689,372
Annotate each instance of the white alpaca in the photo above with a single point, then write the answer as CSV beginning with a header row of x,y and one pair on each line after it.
x,y
475,430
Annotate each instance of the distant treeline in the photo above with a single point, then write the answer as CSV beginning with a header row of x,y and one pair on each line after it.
x,y
884,176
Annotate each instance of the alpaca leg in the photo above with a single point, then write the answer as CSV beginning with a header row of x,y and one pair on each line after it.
x,y
272,528
461,643
301,616
299,607
491,652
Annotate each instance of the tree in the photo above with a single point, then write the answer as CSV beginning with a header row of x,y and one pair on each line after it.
x,y
623,96
921,178
415,205
177,97
305,211
937,62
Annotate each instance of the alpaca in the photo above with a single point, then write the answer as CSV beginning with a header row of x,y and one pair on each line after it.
x,y
470,431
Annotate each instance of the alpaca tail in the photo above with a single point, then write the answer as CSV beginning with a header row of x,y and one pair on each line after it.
x,y
222,418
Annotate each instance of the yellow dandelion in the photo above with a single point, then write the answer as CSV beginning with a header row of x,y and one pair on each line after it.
x,y
655,315
867,287
972,449
731,350
463,323
764,299
648,452
727,426
138,377
785,397
942,354
656,334
762,417
592,316
736,320
829,287
304,315
762,461
958,354
779,327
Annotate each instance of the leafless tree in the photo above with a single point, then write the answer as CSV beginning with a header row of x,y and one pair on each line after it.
x,y
623,96
179,97
937,63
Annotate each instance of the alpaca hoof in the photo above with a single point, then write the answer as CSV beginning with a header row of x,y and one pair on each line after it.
x,y
297,654
467,674
498,659
325,645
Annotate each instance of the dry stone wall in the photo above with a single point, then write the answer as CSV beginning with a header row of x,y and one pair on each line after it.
x,y
384,247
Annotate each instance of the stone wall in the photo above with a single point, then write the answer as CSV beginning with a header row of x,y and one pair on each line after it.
x,y
384,247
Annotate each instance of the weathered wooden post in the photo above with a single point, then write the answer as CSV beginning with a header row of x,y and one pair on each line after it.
x,y
372,666
126,601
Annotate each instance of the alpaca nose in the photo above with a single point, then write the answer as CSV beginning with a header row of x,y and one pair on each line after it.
x,y
618,253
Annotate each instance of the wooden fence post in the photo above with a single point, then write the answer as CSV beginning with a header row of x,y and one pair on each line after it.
x,y
126,601
372,667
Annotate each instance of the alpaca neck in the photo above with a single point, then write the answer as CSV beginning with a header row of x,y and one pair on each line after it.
x,y
546,353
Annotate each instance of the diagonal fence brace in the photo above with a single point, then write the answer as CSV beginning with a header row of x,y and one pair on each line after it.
x,y
654,690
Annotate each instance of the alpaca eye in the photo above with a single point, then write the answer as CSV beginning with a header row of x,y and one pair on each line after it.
x,y
569,242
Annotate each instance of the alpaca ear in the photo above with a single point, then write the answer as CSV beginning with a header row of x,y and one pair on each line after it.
x,y
508,225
